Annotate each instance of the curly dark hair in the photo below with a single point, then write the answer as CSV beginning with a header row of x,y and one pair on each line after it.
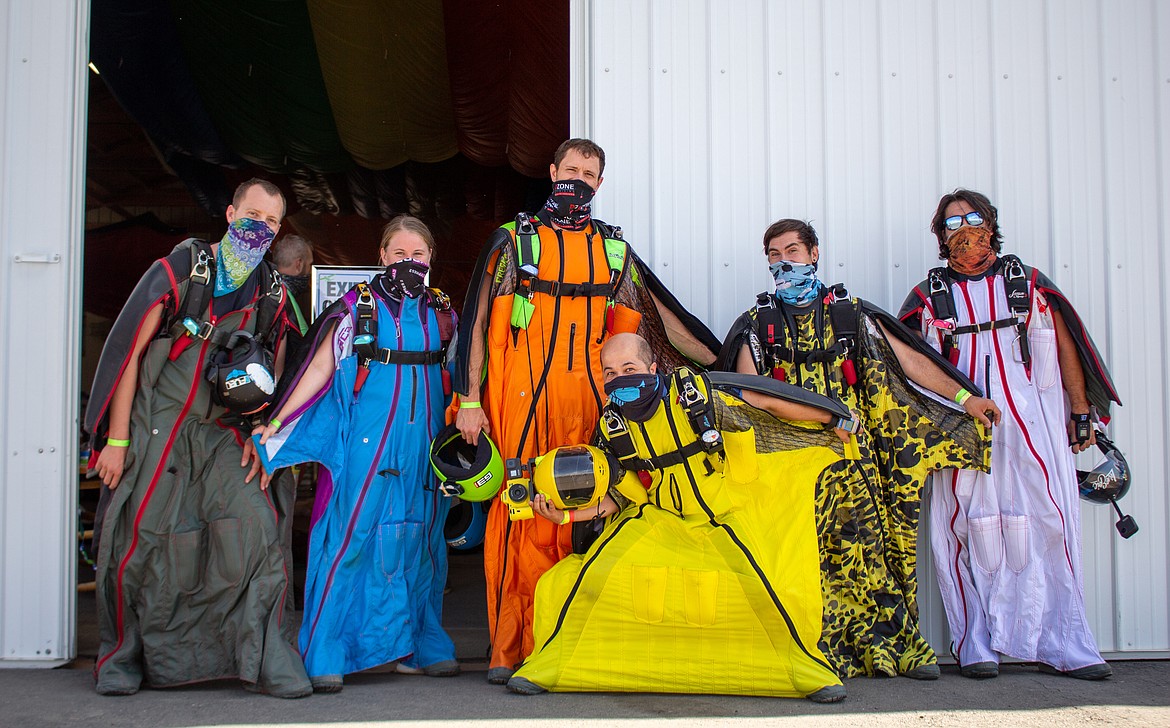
x,y
982,205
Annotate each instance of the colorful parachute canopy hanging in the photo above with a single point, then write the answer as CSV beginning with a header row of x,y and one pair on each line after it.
x,y
350,100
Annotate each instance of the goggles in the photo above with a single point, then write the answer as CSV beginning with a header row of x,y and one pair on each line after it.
x,y
954,222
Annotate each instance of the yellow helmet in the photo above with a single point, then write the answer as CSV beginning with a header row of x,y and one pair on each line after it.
x,y
574,477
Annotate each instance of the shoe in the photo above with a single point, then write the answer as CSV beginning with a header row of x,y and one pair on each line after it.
x,y
980,670
326,683
524,686
115,690
443,668
499,675
923,672
1100,671
404,670
827,694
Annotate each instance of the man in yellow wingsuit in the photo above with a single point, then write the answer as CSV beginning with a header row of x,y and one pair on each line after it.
x,y
547,292
708,578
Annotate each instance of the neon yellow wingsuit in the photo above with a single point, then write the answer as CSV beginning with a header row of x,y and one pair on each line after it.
x,y
709,580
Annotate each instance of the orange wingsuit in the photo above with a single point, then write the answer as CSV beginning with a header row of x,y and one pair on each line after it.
x,y
543,390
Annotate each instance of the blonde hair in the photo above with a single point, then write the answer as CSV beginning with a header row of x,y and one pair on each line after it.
x,y
410,224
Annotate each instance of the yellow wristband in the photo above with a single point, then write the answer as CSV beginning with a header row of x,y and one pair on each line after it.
x,y
275,423
470,405
962,396
566,517
117,443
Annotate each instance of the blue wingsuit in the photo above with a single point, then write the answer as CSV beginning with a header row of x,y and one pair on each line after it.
x,y
377,556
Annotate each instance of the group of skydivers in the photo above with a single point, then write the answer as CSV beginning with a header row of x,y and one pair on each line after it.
x,y
735,517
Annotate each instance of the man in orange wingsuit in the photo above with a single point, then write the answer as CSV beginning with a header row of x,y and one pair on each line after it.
x,y
547,291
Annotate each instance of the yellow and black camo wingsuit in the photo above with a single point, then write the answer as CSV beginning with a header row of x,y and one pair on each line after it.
x,y
708,581
867,510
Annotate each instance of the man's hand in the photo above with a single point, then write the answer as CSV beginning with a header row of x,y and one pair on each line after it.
x,y
1072,436
470,421
251,457
983,409
111,463
542,507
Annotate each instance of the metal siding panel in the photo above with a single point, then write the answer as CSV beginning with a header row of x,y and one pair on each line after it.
x,y
738,190
795,151
909,149
621,116
965,134
1158,602
1062,148
1131,197
41,214
1077,227
681,151
854,198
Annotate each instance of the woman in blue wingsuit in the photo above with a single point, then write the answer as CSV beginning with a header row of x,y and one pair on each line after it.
x,y
365,405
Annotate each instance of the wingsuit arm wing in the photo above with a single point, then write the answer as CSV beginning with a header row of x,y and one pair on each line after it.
x,y
676,336
736,337
494,273
1099,385
158,285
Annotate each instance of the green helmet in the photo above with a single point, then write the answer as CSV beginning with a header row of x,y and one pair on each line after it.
x,y
471,472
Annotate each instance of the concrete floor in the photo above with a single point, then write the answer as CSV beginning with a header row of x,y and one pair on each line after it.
x,y
1138,695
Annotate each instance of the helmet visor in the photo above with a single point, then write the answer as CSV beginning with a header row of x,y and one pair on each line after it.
x,y
575,476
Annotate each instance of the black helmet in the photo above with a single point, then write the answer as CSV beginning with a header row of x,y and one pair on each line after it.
x,y
1108,482
241,375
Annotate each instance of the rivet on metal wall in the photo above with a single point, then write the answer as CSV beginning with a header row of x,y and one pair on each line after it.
x,y
607,70
1005,75
950,75
781,73
893,73
1060,78
664,70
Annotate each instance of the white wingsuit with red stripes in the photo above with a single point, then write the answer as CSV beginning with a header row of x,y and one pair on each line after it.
x,y
1007,544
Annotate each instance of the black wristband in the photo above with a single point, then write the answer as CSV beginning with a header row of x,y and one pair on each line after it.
x,y
1082,428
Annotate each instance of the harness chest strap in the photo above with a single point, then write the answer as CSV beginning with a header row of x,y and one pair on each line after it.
x,y
1019,297
700,411
843,317
198,295
365,340
527,245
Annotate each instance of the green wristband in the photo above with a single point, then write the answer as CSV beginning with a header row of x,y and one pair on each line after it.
x,y
962,396
275,423
470,405
117,443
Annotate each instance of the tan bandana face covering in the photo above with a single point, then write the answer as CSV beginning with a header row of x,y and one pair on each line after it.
x,y
971,252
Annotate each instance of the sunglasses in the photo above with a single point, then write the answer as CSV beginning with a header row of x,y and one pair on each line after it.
x,y
954,222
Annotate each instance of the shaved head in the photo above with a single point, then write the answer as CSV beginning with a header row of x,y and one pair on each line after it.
x,y
626,354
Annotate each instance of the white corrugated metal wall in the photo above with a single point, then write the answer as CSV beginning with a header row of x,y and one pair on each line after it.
x,y
720,116
42,181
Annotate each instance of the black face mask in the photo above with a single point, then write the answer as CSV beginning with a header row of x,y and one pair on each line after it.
x,y
636,395
405,278
296,285
568,204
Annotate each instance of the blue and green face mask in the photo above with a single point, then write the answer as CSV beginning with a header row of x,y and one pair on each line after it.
x,y
796,283
636,395
242,248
